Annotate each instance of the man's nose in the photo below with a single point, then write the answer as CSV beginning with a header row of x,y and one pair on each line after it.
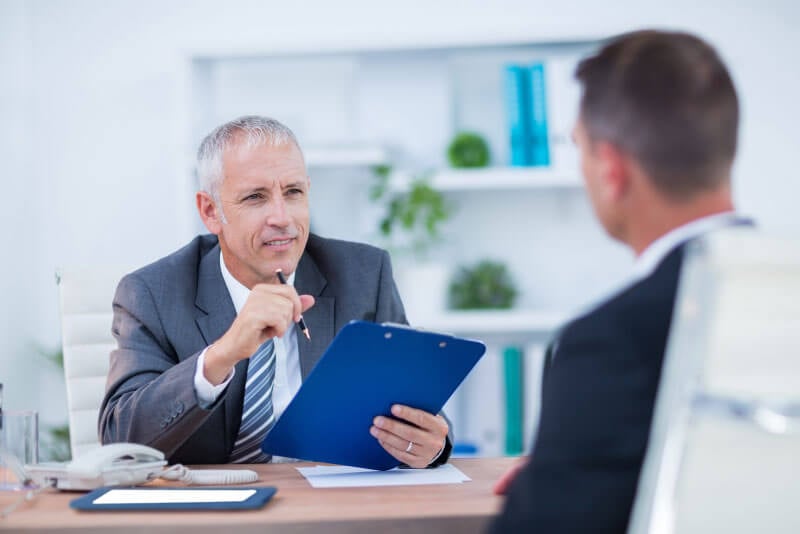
x,y
278,214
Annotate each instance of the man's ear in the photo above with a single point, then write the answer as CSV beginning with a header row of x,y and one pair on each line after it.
x,y
614,170
209,213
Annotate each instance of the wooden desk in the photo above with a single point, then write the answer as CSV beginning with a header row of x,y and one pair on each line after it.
x,y
297,507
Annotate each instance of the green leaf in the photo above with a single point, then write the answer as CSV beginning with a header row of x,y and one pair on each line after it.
x,y
412,218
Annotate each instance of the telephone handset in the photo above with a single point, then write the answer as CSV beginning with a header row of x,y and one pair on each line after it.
x,y
109,465
115,456
126,464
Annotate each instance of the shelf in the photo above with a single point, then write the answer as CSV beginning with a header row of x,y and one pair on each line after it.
x,y
493,178
512,324
344,156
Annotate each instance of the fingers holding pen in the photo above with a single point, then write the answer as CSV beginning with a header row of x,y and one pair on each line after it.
x,y
306,301
273,308
269,311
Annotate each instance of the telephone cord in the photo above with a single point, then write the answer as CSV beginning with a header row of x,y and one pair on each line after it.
x,y
182,473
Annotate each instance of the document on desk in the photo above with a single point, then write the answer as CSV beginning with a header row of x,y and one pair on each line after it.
x,y
339,476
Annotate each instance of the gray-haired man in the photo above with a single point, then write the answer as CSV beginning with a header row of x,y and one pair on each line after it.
x,y
208,352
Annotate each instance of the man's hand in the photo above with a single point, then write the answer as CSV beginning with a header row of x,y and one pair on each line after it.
x,y
415,439
269,311
504,482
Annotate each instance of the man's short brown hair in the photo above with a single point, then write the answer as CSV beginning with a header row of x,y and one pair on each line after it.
x,y
667,100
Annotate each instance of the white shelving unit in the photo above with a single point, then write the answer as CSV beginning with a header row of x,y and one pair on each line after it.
x,y
517,326
400,106
344,156
355,108
494,178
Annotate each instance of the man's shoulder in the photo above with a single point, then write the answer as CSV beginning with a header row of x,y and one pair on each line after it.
x,y
645,303
181,262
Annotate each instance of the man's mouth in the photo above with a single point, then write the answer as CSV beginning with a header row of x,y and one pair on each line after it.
x,y
278,242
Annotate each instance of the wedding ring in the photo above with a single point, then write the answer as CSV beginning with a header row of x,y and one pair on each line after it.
x,y
410,445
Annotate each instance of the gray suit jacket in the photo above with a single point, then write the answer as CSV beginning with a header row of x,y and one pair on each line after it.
x,y
166,313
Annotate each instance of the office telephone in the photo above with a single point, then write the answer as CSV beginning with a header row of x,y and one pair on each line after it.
x,y
109,465
119,464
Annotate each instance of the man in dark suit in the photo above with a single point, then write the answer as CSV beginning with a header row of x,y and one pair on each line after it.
x,y
182,378
657,136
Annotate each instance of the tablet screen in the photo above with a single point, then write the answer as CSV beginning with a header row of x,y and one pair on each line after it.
x,y
173,496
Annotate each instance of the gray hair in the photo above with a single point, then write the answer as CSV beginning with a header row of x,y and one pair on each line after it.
x,y
247,131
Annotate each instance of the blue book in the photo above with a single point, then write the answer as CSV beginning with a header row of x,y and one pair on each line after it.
x,y
539,146
517,93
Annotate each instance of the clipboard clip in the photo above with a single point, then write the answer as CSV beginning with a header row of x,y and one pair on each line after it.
x,y
416,329
401,325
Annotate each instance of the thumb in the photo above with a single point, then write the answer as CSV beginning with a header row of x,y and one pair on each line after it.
x,y
502,485
306,301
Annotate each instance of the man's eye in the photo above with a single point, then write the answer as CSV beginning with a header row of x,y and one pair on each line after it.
x,y
294,192
254,196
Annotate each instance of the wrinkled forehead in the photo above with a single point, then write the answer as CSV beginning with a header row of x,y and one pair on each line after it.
x,y
263,165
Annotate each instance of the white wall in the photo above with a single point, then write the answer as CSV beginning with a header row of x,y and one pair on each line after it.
x,y
96,123
21,193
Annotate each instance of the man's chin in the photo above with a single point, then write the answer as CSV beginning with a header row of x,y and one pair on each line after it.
x,y
286,262
283,258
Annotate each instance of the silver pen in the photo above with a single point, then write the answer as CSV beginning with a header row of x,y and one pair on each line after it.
x,y
301,323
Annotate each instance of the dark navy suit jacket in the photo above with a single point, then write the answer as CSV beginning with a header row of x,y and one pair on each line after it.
x,y
598,394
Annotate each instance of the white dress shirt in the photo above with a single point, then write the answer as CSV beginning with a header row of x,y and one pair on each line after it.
x,y
287,356
649,259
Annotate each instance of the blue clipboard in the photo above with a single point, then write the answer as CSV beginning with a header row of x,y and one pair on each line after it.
x,y
140,498
366,369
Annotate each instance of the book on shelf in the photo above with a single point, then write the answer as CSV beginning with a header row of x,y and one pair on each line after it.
x,y
514,386
533,364
516,82
537,115
477,414
563,94
526,109
496,410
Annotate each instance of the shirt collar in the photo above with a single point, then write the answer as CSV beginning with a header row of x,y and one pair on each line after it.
x,y
236,289
657,250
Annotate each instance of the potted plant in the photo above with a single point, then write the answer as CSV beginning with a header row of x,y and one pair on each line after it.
x,y
485,285
410,226
413,216
468,150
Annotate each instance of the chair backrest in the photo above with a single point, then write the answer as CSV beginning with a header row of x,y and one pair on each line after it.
x,y
724,449
85,301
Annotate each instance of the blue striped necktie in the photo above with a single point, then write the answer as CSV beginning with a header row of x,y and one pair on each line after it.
x,y
257,414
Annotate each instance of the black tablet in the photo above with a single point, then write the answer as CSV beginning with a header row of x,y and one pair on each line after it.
x,y
157,498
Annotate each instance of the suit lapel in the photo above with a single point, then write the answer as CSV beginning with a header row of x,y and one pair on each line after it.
x,y
319,318
214,305
214,315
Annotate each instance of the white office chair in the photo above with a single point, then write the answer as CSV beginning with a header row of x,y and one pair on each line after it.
x,y
724,450
85,298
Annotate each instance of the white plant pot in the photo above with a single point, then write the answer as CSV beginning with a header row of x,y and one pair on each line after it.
x,y
423,288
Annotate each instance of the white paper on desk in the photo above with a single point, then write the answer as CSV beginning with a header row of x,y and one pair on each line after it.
x,y
338,476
